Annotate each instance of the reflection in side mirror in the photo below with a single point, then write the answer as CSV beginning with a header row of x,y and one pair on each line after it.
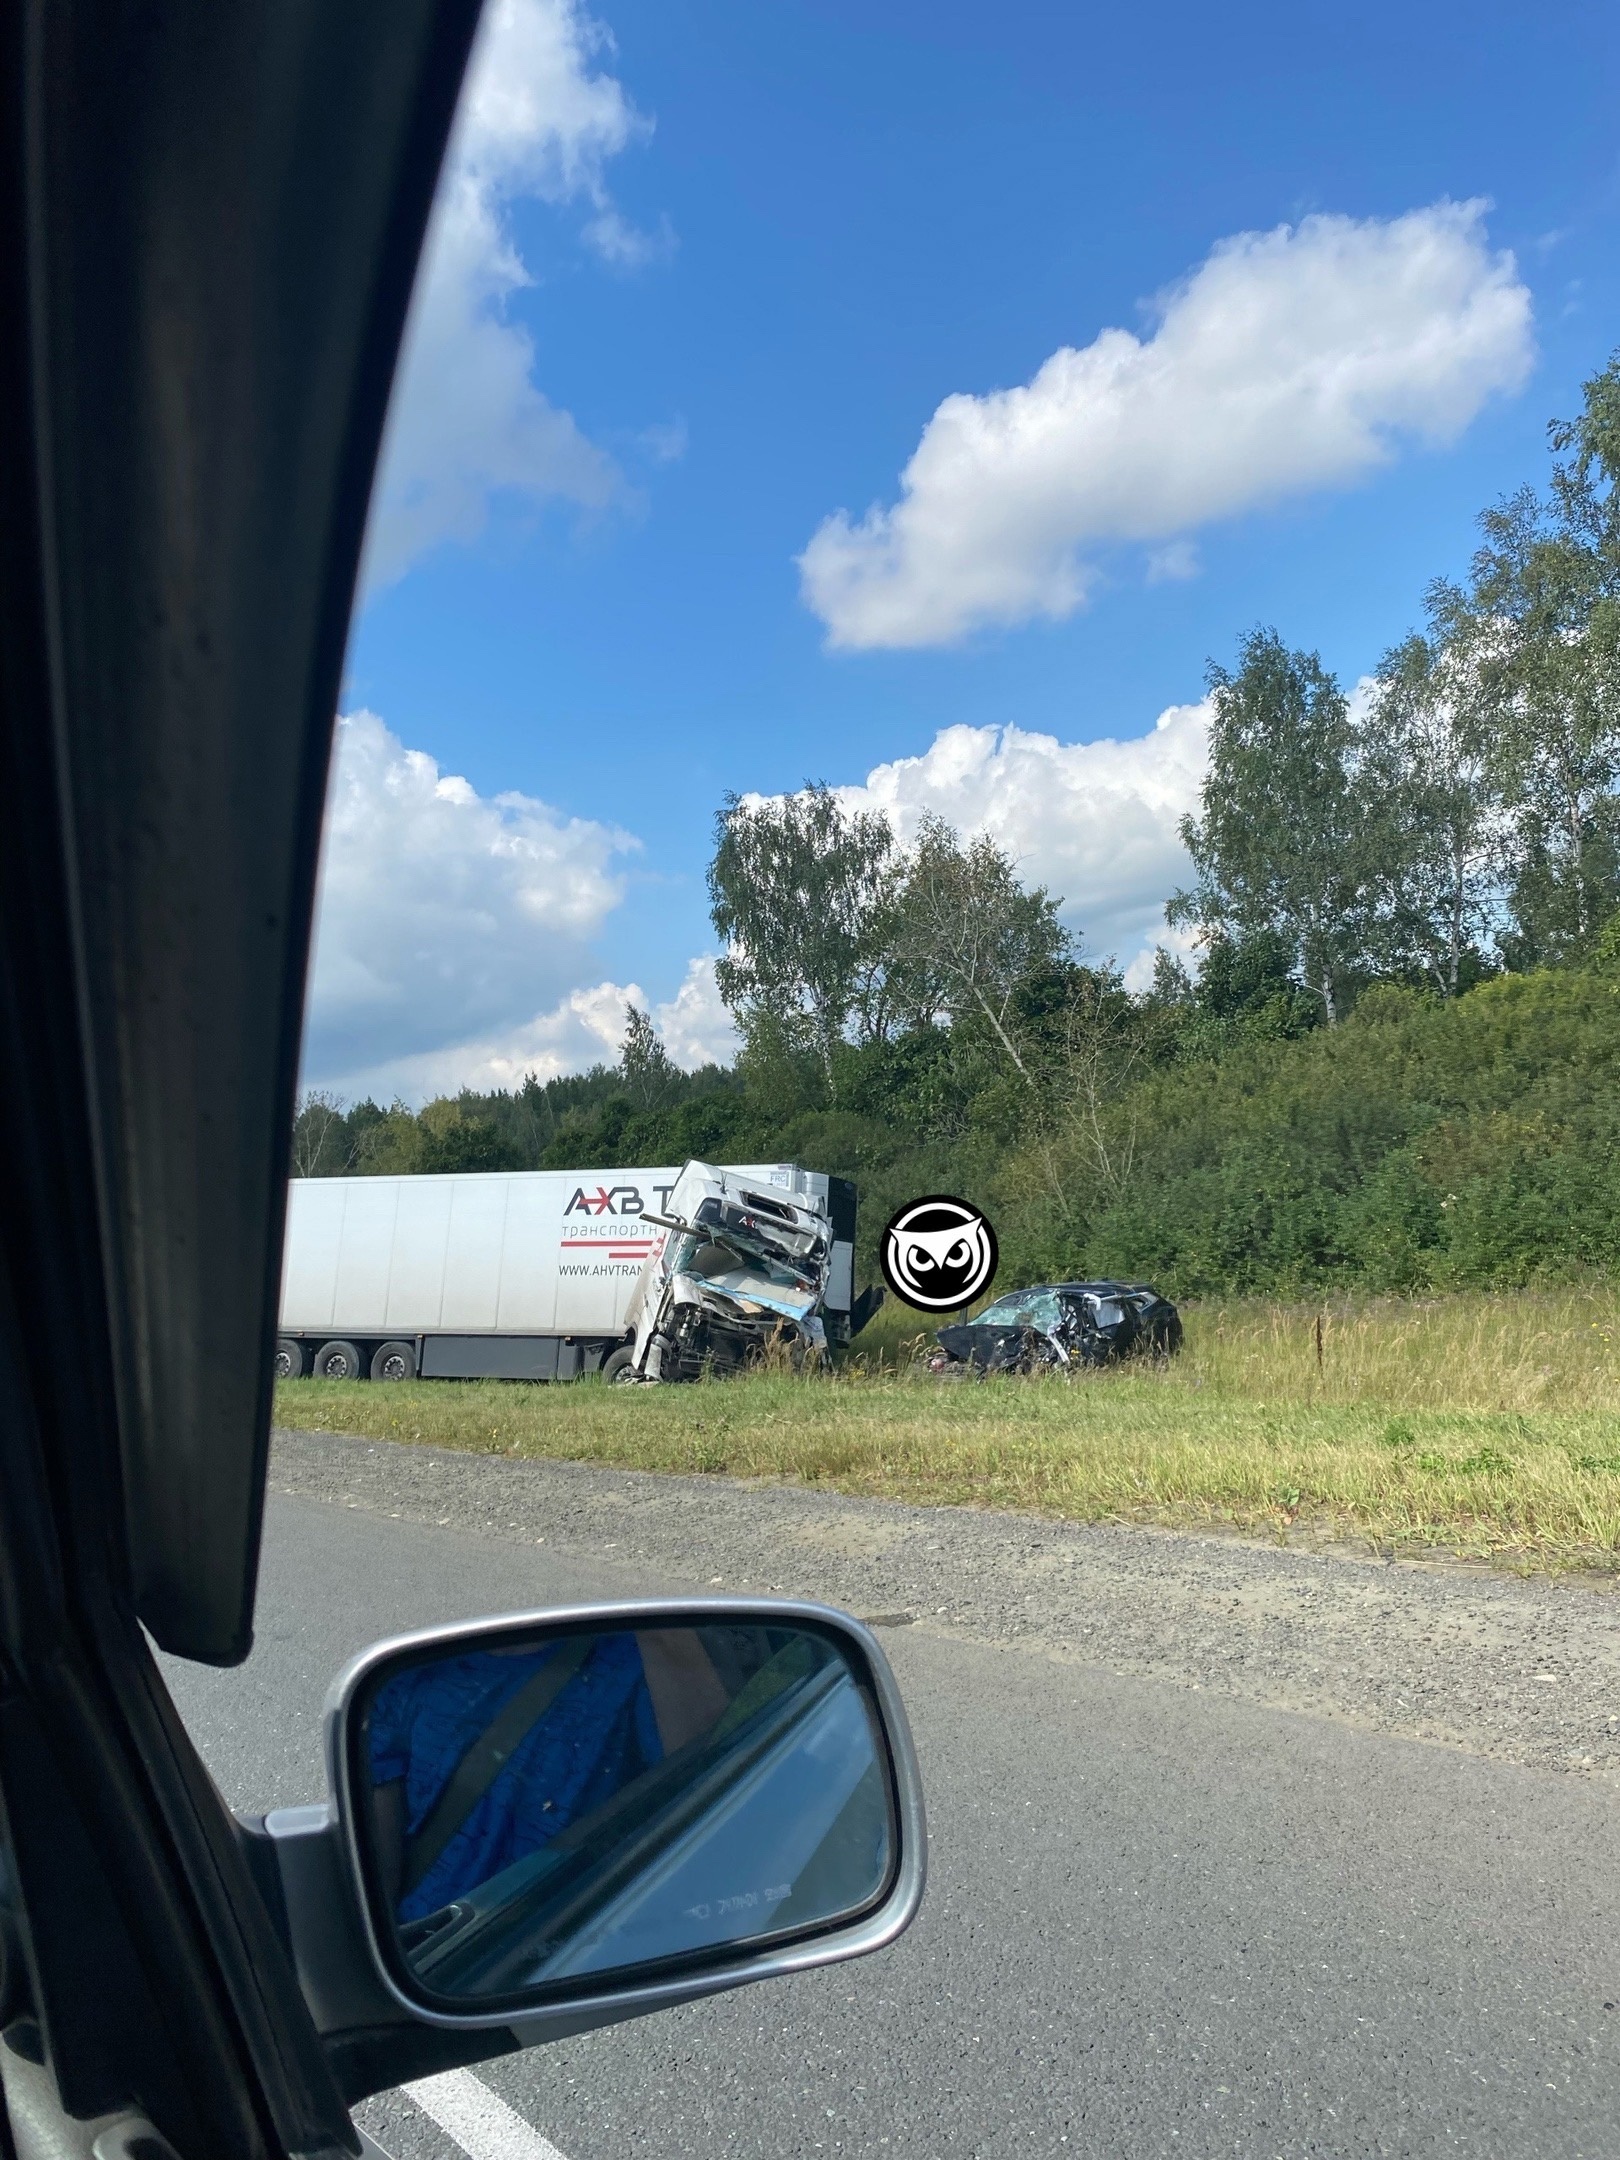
x,y
539,1809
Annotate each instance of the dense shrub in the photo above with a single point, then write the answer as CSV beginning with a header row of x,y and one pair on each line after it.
x,y
1416,1145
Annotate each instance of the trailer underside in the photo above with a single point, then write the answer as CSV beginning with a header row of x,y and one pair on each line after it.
x,y
370,1354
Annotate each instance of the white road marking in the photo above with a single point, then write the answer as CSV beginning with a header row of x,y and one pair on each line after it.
x,y
480,2121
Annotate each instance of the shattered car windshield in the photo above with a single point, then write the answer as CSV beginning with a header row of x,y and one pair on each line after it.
x,y
1027,1308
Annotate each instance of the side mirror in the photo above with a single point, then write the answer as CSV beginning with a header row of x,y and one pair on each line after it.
x,y
622,1807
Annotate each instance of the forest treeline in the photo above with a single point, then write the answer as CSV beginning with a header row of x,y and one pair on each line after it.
x,y
1393,1064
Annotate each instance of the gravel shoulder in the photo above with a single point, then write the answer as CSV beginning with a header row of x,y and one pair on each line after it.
x,y
1522,1671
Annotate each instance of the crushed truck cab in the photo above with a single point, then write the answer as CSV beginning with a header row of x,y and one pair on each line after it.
x,y
538,1274
739,1268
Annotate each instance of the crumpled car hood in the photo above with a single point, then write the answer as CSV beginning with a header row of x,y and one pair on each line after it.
x,y
995,1349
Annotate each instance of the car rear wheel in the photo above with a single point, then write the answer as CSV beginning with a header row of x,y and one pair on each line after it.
x,y
338,1361
618,1367
291,1359
394,1361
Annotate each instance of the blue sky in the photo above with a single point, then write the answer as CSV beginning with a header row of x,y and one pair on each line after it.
x,y
706,272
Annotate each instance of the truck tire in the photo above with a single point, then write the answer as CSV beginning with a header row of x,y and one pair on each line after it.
x,y
339,1361
618,1367
291,1359
394,1361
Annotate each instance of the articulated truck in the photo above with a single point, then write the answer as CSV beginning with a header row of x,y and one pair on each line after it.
x,y
511,1275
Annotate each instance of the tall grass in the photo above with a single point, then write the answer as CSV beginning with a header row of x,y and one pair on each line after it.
x,y
1488,1426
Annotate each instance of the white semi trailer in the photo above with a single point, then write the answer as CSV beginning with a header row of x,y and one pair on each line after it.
x,y
506,1275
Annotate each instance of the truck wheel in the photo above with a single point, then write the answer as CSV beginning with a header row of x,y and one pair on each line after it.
x,y
291,1360
338,1361
618,1367
394,1361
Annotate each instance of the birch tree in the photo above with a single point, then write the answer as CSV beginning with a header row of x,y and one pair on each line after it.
x,y
966,937
799,893
1281,844
1540,622
1438,833
322,1144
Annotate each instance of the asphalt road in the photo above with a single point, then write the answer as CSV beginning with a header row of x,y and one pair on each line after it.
x,y
1162,1918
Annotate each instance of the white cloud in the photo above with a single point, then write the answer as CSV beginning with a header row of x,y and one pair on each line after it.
x,y
1289,360
533,117
584,1028
453,938
537,120
664,442
695,1025
442,913
1174,563
1093,822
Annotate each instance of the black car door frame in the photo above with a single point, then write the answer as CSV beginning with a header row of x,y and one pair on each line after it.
x,y
212,214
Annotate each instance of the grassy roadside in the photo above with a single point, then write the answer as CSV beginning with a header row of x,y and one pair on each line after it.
x,y
1484,1426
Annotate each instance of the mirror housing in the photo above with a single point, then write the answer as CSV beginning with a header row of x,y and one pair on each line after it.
x,y
808,1711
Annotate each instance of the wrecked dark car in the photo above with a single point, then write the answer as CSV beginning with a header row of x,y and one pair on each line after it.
x,y
1060,1327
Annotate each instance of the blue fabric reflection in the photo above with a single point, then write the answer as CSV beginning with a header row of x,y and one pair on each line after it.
x,y
599,1732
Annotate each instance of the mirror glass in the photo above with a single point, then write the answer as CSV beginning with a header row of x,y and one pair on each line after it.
x,y
544,1808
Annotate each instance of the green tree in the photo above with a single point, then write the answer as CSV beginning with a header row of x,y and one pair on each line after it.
x,y
451,1140
322,1143
1540,625
1172,985
800,891
649,1075
1247,987
1436,858
1282,843
964,938
388,1142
